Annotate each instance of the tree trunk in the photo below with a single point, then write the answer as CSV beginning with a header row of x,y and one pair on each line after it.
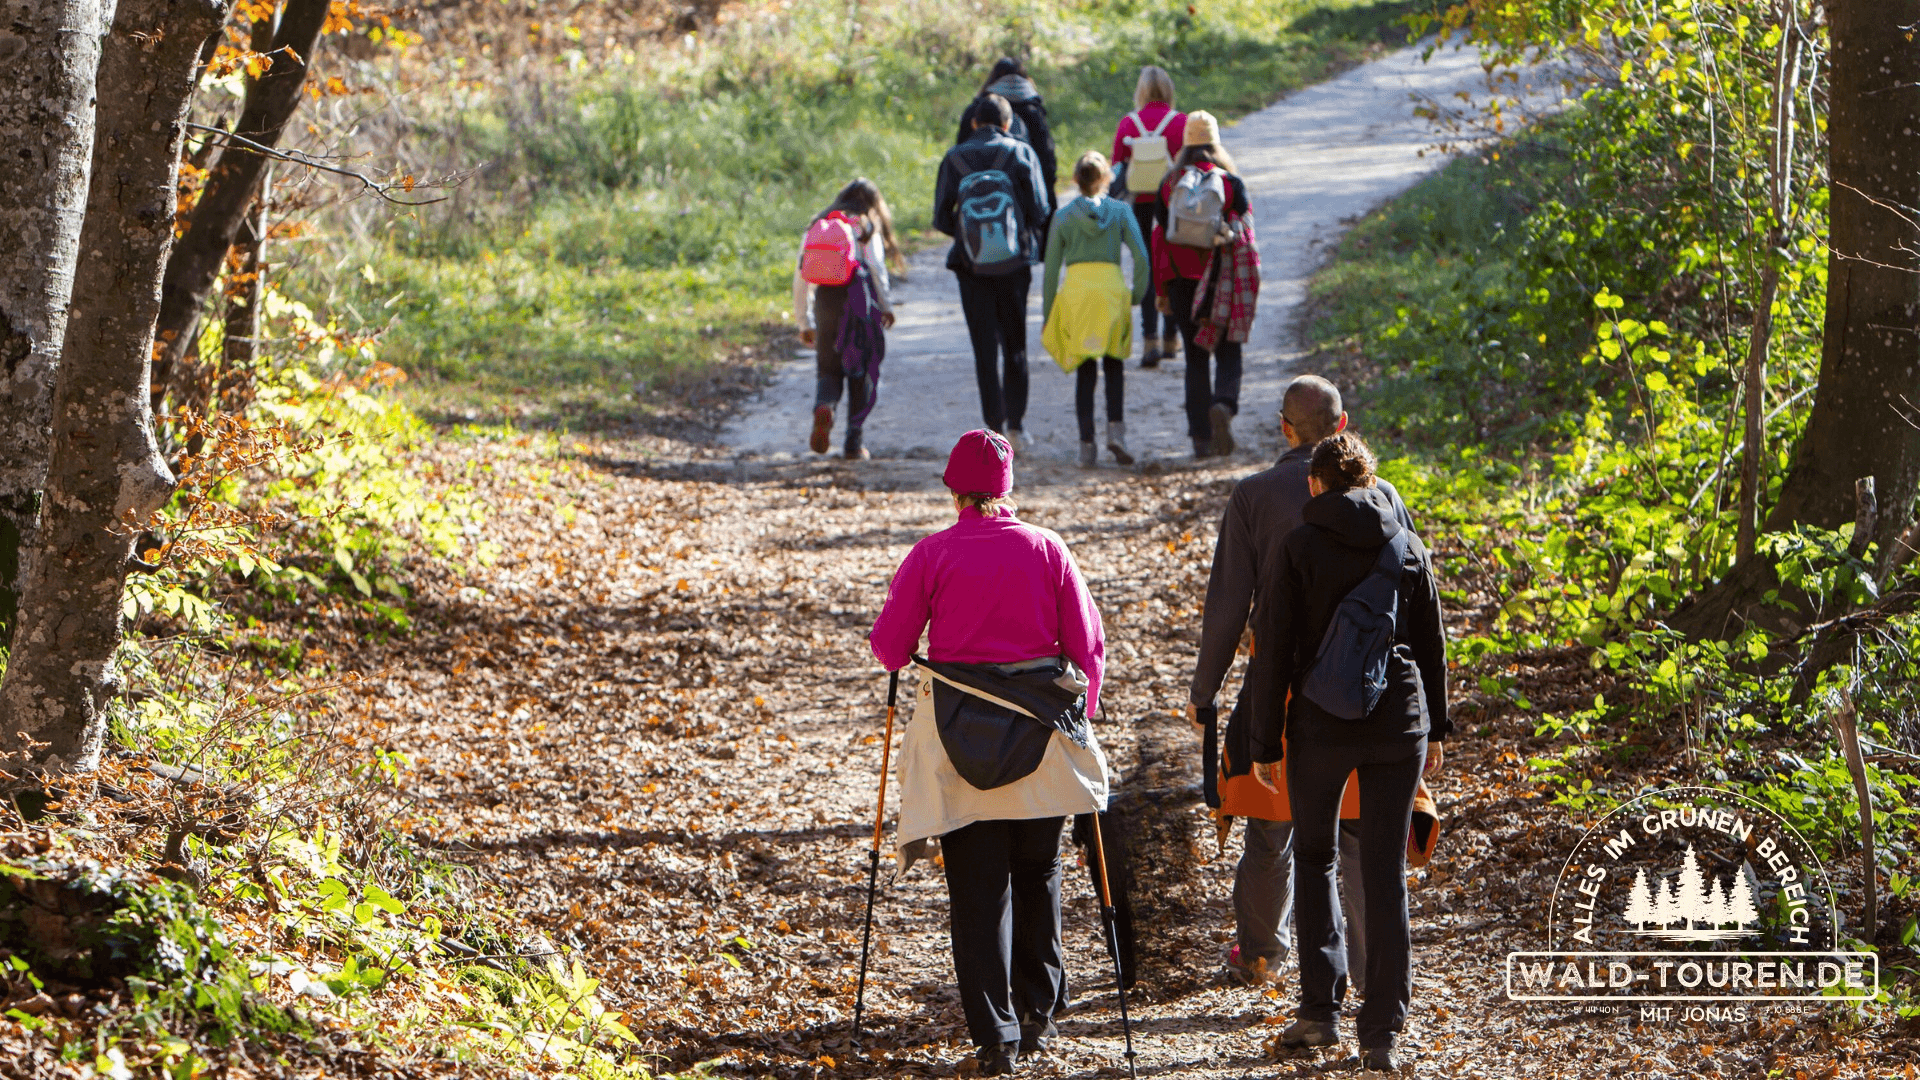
x,y
246,296
1868,397
105,472
230,189
46,108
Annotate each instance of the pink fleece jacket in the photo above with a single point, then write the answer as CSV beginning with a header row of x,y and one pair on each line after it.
x,y
991,591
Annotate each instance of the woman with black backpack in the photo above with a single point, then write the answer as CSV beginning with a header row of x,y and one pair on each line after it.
x,y
1009,80
1201,209
1352,545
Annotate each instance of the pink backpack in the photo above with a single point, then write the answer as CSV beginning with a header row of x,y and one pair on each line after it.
x,y
831,251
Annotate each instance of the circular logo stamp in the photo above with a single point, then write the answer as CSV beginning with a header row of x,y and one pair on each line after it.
x,y
1692,894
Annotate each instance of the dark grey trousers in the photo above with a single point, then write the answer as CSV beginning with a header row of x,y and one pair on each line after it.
x,y
1263,895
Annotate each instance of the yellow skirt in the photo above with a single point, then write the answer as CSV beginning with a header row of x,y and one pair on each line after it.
x,y
1092,316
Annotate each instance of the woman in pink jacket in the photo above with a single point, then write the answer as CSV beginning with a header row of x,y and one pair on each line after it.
x,y
998,750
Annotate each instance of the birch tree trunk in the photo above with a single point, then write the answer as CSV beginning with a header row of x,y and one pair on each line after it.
x,y
105,472
49,53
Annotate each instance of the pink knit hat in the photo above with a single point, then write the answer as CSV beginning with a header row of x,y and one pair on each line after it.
x,y
981,464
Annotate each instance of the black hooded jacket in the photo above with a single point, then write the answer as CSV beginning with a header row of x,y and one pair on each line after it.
x,y
1332,551
1029,126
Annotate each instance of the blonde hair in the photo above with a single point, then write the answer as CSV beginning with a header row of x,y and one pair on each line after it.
x,y
1212,153
1090,173
1154,85
988,505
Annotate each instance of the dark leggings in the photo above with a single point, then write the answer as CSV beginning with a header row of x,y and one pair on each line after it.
x,y
1149,314
1205,387
1083,380
1316,778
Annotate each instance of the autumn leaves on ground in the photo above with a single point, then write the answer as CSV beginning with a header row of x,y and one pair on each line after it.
x,y
652,726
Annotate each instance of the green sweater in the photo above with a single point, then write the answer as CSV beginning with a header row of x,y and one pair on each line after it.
x,y
1092,229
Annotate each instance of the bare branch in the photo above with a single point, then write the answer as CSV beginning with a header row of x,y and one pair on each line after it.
x,y
299,157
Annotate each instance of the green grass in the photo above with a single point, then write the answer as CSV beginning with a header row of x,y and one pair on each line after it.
x,y
637,224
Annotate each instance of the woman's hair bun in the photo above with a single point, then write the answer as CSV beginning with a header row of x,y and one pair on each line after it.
x,y
1343,461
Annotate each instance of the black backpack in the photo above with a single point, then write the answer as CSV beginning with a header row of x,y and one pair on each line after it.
x,y
1349,673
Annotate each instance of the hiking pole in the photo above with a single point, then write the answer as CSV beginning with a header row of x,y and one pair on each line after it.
x,y
1113,941
873,854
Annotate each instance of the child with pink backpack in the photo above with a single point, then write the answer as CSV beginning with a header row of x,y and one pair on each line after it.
x,y
843,301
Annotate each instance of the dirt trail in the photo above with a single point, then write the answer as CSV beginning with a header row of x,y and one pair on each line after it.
x,y
652,727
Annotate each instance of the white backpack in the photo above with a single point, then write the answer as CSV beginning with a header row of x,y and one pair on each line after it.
x,y
1197,209
1149,160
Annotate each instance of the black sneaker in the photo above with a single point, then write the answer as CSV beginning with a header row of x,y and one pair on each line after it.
x,y
998,1059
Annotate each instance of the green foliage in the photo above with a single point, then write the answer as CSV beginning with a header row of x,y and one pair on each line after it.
x,y
638,222
1570,316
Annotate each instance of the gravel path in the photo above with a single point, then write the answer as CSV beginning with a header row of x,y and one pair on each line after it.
x,y
1312,163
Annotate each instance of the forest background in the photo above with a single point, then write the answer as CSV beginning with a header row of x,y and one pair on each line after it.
x,y
1593,347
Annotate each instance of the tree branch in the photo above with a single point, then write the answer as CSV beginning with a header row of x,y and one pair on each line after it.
x,y
301,157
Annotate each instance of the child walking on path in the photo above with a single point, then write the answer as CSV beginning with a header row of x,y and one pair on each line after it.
x,y
843,301
1203,207
1144,146
991,198
1091,325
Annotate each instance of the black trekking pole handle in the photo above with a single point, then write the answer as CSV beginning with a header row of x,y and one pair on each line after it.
x,y
1209,717
873,854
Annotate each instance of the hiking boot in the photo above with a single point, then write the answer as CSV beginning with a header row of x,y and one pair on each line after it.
x,y
1221,418
1089,455
855,451
998,1059
822,429
1310,1033
1202,448
1117,442
1016,436
1377,1059
1150,354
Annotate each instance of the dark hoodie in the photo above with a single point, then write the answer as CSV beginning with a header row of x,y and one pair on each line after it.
x,y
1320,563
1029,126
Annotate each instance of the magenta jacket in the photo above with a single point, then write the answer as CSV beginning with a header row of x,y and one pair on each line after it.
x,y
991,591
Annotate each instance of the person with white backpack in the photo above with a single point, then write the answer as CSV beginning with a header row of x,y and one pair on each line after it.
x,y
1144,146
842,271
1200,200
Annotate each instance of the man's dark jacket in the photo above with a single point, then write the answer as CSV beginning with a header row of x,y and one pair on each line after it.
x,y
980,150
1334,549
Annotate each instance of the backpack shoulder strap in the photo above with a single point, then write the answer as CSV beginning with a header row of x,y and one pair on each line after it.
x,y
1139,125
1165,119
